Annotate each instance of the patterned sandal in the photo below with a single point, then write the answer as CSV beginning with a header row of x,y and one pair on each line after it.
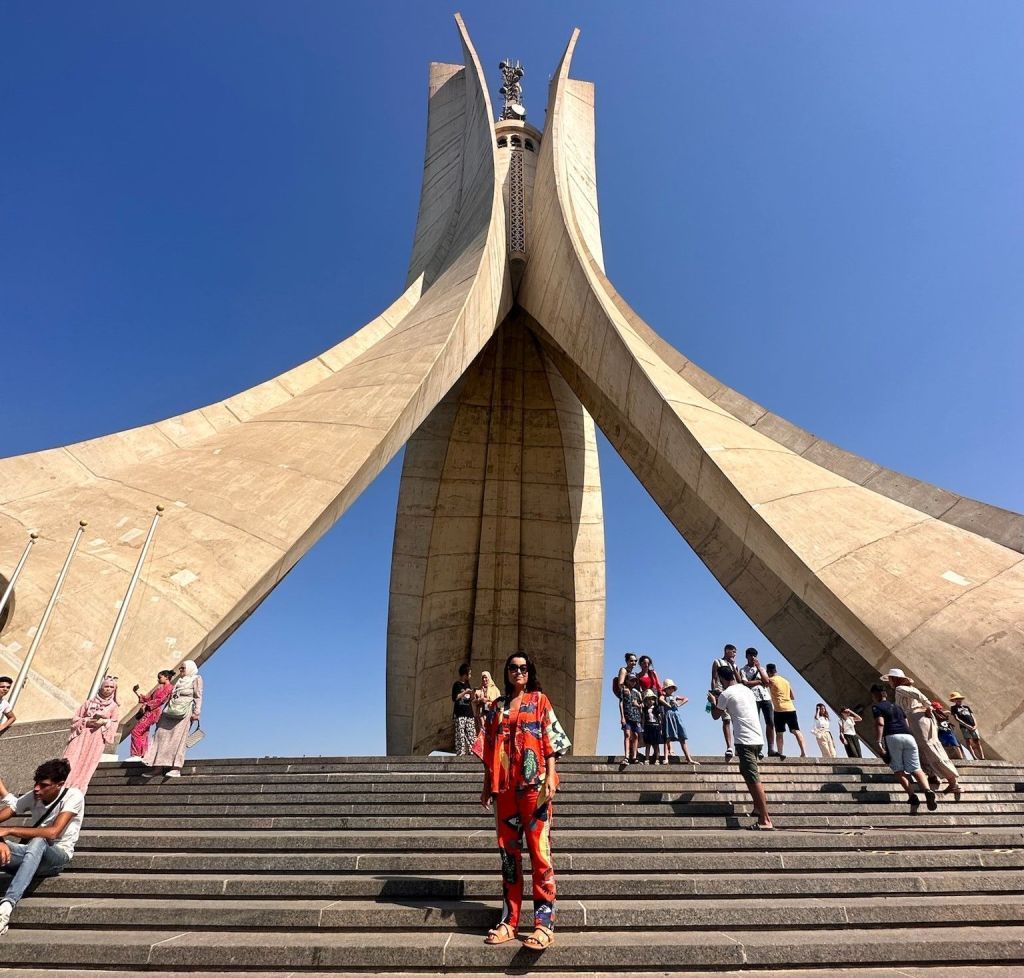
x,y
501,934
541,938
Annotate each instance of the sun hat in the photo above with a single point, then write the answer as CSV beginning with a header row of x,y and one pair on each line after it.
x,y
669,684
650,694
896,674
956,696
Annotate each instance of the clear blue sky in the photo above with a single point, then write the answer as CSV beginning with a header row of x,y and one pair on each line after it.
x,y
820,203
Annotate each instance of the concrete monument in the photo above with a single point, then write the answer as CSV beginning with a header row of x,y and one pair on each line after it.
x,y
506,347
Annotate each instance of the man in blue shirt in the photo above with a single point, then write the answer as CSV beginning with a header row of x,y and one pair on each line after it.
x,y
897,745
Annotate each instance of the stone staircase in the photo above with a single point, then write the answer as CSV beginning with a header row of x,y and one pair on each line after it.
x,y
338,866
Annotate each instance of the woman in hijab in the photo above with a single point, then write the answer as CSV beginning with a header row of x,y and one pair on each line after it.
x,y
182,710
482,700
93,729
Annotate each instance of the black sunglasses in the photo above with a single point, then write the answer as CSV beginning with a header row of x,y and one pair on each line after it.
x,y
515,668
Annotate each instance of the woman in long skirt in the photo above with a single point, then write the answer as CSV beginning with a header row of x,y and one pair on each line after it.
x,y
523,739
93,730
182,709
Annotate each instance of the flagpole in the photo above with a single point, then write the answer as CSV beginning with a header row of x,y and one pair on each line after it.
x,y
9,590
123,610
19,682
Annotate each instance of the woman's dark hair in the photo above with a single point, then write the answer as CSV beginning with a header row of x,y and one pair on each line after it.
x,y
169,673
532,686
56,771
650,661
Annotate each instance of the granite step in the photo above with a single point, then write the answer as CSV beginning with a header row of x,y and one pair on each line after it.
x,y
437,949
567,796
571,886
628,823
482,840
884,971
346,866
271,913
601,862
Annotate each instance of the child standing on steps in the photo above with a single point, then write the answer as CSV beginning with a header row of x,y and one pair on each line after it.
x,y
631,707
672,728
653,719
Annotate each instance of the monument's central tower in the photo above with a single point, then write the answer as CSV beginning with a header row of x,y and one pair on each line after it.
x,y
499,541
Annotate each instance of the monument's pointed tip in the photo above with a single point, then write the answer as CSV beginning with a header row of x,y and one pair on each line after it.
x,y
563,66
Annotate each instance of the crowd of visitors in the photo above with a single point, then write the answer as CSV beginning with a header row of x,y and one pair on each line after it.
x,y
517,736
519,740
55,806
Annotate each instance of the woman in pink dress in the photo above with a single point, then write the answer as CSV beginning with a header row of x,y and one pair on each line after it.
x,y
151,703
93,730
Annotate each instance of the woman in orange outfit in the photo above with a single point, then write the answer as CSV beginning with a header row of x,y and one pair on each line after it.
x,y
523,739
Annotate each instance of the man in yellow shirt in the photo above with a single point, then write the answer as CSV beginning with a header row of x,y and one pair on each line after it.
x,y
784,703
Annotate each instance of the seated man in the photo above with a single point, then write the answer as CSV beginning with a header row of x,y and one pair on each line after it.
x,y
48,840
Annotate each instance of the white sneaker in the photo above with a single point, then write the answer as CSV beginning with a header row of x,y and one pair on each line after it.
x,y
133,760
5,917
173,774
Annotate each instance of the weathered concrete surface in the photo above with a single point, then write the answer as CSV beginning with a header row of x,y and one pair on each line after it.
x,y
25,746
844,579
498,546
252,482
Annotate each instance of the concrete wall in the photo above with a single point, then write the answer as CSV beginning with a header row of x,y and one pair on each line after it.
x,y
846,580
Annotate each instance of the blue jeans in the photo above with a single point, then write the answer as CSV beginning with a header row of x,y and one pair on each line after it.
x,y
29,860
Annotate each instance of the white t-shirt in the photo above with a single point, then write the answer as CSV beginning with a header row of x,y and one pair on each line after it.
x,y
73,801
739,703
5,708
849,727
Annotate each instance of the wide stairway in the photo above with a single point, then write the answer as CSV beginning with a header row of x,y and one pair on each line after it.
x,y
338,866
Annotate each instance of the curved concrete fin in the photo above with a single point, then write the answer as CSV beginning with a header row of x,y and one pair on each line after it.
x,y
252,482
846,581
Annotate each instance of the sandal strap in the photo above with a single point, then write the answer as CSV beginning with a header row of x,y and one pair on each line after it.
x,y
548,933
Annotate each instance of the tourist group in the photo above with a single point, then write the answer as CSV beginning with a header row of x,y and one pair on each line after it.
x,y
55,806
517,736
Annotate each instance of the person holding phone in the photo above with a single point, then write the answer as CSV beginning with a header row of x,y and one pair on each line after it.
x,y
522,741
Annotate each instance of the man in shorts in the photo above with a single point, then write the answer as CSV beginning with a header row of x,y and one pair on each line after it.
x,y
737,702
784,703
896,744
968,725
728,661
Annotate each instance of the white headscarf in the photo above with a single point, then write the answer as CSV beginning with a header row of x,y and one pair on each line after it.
x,y
188,680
